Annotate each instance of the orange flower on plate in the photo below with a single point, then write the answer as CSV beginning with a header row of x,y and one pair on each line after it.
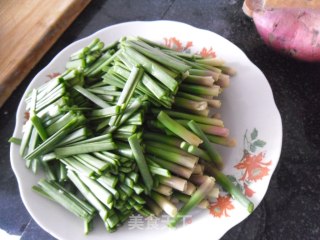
x,y
26,115
176,44
254,167
207,52
188,45
219,208
53,75
248,191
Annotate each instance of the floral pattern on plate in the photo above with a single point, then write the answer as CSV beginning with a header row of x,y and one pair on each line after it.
x,y
253,168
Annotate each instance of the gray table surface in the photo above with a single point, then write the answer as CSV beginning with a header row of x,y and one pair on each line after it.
x,y
291,207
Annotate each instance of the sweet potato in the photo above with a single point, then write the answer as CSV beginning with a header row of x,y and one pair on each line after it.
x,y
292,30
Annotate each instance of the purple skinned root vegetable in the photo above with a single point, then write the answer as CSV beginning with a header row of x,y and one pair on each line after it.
x,y
293,31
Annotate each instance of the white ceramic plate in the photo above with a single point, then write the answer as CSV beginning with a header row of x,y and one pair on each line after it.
x,y
248,110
